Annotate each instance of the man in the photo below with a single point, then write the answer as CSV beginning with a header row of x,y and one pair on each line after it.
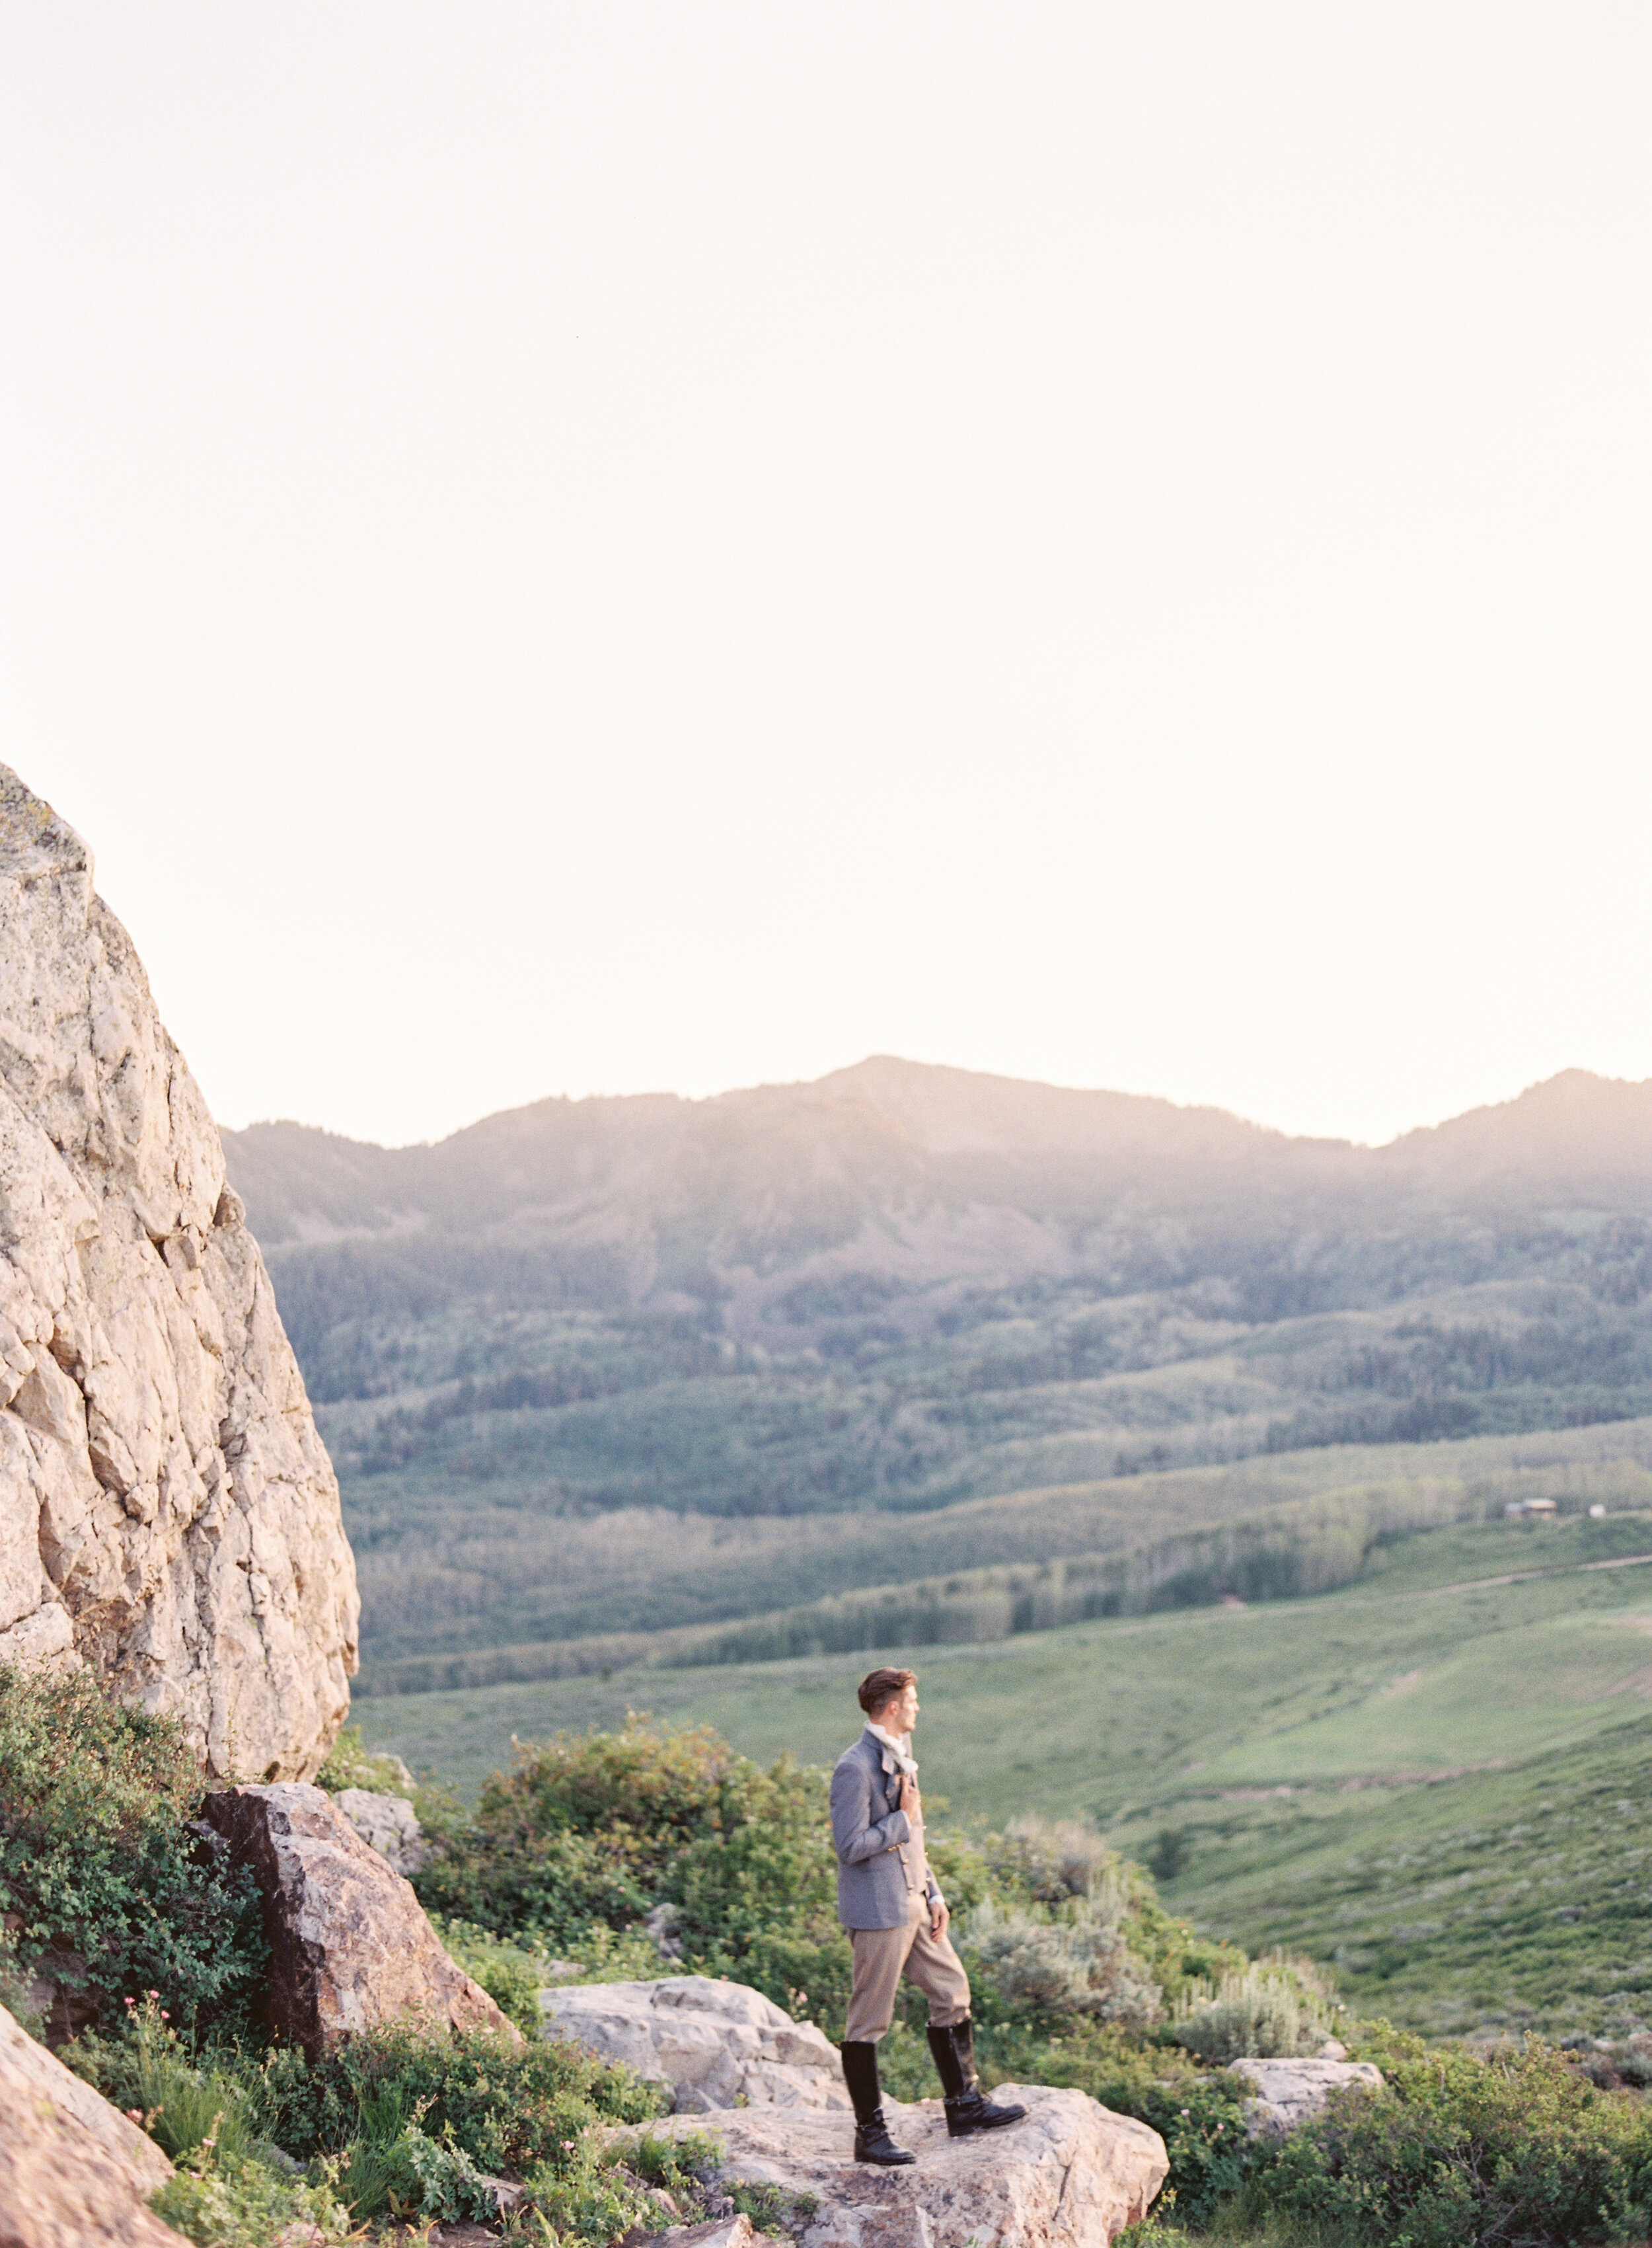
x,y
895,1916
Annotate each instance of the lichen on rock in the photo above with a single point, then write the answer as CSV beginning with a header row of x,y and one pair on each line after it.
x,y
167,1510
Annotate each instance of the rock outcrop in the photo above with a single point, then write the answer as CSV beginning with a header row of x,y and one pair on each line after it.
x,y
716,2044
350,1944
73,2170
1072,2175
1289,2091
167,1512
387,1824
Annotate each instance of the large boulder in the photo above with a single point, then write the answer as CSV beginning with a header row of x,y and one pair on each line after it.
x,y
1290,2092
73,2170
349,1945
1070,2175
167,1512
717,2044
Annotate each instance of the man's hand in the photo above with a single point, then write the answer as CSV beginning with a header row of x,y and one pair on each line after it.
x,y
909,1795
938,1917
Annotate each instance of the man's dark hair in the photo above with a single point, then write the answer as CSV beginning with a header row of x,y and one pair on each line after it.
x,y
880,1686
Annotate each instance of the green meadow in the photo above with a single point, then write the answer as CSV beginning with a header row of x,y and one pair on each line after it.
x,y
1431,1779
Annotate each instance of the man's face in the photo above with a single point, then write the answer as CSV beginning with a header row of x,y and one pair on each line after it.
x,y
900,1715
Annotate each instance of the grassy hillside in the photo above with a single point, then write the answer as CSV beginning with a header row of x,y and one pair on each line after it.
x,y
1420,1778
500,1587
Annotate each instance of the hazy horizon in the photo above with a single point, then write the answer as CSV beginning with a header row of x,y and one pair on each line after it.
x,y
768,1084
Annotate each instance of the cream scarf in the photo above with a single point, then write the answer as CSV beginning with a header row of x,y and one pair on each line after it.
x,y
898,1749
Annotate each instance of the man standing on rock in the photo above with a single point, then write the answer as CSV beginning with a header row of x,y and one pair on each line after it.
x,y
896,1917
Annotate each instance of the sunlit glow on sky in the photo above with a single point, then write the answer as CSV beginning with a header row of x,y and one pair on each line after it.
x,y
554,548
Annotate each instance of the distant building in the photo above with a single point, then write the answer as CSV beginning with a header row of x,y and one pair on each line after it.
x,y
1597,1511
1516,1507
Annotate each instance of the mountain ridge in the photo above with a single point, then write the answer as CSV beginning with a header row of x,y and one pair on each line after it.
x,y
885,1129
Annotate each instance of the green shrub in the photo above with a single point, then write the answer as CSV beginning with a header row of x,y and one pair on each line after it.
x,y
506,1871
960,1864
507,2105
96,1858
762,1863
677,2161
582,2197
395,2121
1266,2008
145,2067
17,1990
409,2174
585,1827
1459,2151
1067,1959
685,2164
241,2202
600,1954
1045,1862
774,2209
587,1833
513,1975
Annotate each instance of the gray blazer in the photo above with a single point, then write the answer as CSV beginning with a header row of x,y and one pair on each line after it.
x,y
869,1834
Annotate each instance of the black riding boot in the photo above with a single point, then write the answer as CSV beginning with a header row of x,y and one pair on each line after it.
x,y
872,2141
968,2108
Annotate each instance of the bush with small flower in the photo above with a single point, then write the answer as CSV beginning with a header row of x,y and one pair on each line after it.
x,y
182,2098
99,1865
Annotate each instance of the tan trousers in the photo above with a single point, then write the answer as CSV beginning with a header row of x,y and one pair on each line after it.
x,y
882,1955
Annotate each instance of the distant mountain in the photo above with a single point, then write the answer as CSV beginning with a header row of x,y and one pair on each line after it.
x,y
898,1289
920,1173
1582,1139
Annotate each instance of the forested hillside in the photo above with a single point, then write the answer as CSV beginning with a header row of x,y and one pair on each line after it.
x,y
755,1326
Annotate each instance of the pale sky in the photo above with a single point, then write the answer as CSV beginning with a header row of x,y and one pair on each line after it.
x,y
563,548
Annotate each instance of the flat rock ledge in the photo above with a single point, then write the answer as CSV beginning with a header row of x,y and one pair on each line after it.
x,y
1071,2175
73,2170
717,2045
1293,2092
350,1944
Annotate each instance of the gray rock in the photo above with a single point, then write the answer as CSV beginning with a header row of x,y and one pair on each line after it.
x,y
167,1512
1072,2175
350,1944
716,2043
387,1824
1289,2091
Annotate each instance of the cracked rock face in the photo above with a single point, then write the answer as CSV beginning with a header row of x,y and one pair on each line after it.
x,y
167,1511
